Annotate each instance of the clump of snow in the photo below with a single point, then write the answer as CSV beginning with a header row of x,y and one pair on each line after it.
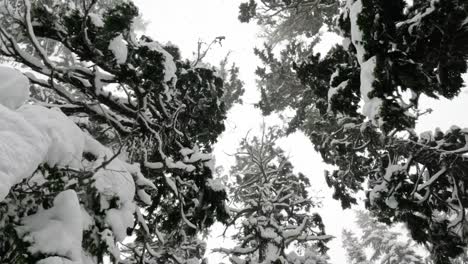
x,y
426,137
416,19
377,191
96,20
100,77
108,239
86,219
113,181
32,135
197,155
14,88
179,165
392,170
144,197
22,147
120,219
170,67
335,89
55,231
371,107
216,185
356,33
64,140
118,46
186,151
345,43
391,202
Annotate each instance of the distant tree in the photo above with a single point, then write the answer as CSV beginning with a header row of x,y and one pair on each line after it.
x,y
233,86
131,127
360,107
272,208
291,29
278,83
353,247
289,19
386,244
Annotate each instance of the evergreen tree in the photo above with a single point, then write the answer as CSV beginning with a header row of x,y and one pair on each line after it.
x,y
272,208
289,19
277,80
360,106
233,86
146,119
387,248
354,248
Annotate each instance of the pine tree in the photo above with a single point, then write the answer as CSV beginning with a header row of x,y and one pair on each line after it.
x,y
392,54
272,207
354,248
297,28
233,86
387,248
288,20
146,119
388,245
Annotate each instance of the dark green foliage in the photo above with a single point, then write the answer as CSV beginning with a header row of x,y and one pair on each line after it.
x,y
233,86
290,19
247,11
354,249
272,207
419,180
386,244
159,115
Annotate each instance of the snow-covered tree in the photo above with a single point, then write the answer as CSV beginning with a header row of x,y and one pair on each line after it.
x,y
277,81
271,208
361,103
353,247
388,246
291,29
233,87
113,143
289,19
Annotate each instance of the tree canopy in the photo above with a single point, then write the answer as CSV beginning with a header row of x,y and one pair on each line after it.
x,y
286,20
360,103
271,208
141,123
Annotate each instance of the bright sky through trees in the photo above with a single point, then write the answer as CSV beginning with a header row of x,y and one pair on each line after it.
x,y
128,142
184,22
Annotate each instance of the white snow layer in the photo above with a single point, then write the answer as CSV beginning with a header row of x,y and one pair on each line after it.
x,y
118,46
371,107
33,135
13,98
114,180
62,138
356,33
96,20
56,231
333,90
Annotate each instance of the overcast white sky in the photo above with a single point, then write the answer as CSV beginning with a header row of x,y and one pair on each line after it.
x,y
184,22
